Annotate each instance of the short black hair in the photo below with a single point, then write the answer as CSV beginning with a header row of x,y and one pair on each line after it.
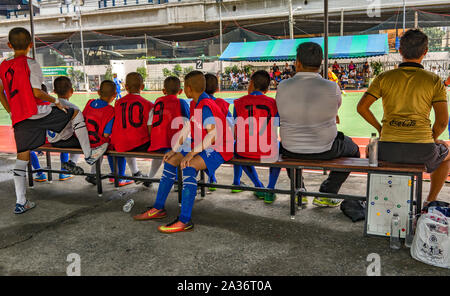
x,y
172,85
62,85
19,38
413,44
212,83
107,89
196,80
310,54
134,81
261,80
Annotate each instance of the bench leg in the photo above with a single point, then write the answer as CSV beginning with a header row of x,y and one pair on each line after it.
x,y
180,185
298,185
419,181
98,177
30,175
116,172
49,166
293,193
202,187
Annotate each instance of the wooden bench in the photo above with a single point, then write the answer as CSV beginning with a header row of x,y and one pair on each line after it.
x,y
296,165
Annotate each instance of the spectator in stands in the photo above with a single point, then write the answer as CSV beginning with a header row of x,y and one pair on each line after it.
x,y
359,79
366,68
409,93
336,68
351,66
344,80
308,107
275,68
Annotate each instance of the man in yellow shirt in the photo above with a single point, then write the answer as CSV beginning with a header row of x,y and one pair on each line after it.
x,y
409,93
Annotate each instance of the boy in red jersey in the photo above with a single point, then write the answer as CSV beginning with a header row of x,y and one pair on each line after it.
x,y
33,111
212,144
212,86
99,116
131,115
166,120
256,118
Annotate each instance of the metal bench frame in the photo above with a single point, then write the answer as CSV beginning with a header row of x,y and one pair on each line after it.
x,y
297,166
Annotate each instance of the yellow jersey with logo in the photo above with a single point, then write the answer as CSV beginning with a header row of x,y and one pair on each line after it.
x,y
408,95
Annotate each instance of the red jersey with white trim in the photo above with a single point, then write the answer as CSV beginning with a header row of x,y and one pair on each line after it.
x,y
254,122
130,122
165,110
15,76
224,141
96,120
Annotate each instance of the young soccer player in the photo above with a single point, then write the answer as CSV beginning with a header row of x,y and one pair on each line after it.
x,y
255,116
62,86
130,129
33,111
166,111
212,86
212,144
99,117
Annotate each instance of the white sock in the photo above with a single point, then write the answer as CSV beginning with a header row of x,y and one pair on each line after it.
x,y
20,172
74,157
156,164
132,164
81,132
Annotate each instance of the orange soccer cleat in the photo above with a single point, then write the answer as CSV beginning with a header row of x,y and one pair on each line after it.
x,y
152,213
176,226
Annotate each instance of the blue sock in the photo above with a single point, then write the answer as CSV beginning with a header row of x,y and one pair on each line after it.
x,y
35,161
213,179
121,163
273,177
253,175
64,157
165,185
189,193
237,174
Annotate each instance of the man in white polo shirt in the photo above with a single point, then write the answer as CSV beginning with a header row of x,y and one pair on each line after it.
x,y
308,107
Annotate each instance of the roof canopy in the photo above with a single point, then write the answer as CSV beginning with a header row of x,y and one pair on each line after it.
x,y
278,50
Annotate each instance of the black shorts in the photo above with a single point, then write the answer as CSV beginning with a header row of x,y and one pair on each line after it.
x,y
71,142
429,154
142,148
31,133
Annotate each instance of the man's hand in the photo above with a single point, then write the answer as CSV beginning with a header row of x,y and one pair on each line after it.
x,y
185,161
168,155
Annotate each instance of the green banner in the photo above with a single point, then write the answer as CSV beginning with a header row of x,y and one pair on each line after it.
x,y
56,71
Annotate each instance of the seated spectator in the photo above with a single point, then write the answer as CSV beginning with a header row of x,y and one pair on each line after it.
x,y
359,79
308,126
366,68
409,93
344,80
336,68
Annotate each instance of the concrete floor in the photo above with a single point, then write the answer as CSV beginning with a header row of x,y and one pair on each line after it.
x,y
235,234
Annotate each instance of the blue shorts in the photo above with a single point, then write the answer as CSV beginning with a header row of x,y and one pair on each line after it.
x,y
212,159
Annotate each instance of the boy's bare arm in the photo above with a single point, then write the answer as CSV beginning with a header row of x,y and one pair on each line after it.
x,y
4,100
207,141
40,94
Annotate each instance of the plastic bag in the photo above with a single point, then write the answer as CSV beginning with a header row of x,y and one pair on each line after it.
x,y
431,244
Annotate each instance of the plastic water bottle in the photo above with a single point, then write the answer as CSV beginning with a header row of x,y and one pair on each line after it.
x,y
373,150
128,206
395,232
409,230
